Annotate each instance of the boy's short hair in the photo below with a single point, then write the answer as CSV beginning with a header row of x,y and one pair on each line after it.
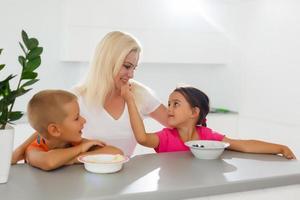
x,y
46,107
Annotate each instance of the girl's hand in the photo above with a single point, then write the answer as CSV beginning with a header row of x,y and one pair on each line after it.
x,y
287,153
126,92
86,145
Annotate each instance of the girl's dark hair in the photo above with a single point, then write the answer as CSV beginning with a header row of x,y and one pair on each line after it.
x,y
196,98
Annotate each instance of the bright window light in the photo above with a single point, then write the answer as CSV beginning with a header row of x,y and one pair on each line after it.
x,y
185,7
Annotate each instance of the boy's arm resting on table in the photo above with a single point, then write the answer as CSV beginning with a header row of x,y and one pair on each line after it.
x,y
51,159
57,157
19,152
256,146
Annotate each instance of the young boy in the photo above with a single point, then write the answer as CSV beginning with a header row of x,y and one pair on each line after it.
x,y
54,114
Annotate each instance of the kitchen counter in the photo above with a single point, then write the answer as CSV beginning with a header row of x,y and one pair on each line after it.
x,y
164,176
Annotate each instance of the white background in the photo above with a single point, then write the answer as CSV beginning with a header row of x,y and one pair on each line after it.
x,y
257,75
243,54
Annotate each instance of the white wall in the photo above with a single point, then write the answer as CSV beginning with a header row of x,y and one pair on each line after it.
x,y
160,26
219,82
259,78
178,45
267,35
271,62
40,19
271,94
216,74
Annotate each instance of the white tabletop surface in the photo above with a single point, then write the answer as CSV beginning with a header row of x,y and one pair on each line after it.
x,y
164,176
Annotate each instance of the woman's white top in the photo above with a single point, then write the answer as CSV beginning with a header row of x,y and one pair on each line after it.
x,y
117,132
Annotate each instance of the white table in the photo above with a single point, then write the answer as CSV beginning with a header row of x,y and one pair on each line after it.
x,y
163,176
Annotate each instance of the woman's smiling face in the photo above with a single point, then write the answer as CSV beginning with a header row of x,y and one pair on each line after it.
x,y
127,69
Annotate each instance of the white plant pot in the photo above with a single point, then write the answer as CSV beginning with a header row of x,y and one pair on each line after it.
x,y
6,149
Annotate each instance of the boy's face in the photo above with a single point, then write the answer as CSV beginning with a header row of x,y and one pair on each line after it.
x,y
72,125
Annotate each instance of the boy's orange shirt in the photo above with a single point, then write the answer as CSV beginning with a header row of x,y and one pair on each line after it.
x,y
41,145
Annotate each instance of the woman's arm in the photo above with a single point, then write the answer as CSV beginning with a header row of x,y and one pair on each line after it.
x,y
143,138
160,114
256,146
19,152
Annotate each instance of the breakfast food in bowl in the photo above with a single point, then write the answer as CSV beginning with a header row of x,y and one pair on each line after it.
x,y
103,163
206,149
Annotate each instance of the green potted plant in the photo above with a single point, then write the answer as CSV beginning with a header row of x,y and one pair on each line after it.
x,y
30,61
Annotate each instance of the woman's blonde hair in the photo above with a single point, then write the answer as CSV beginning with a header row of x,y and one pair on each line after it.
x,y
107,61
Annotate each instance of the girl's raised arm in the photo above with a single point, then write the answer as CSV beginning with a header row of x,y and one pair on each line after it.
x,y
137,125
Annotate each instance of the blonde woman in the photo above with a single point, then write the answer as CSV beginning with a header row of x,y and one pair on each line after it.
x,y
101,104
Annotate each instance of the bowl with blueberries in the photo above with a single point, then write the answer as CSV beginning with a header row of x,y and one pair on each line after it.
x,y
207,149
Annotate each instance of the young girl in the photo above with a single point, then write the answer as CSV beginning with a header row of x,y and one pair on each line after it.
x,y
187,110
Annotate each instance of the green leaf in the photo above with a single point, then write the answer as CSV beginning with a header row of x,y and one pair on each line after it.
x,y
33,64
34,53
29,75
7,79
2,66
23,48
30,61
4,108
4,115
22,91
29,82
3,85
22,60
5,89
32,43
13,116
25,38
16,93
3,104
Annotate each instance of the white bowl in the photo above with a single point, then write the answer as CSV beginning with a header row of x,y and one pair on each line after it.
x,y
206,149
103,163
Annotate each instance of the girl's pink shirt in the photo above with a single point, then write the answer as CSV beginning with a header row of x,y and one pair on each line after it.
x,y
169,139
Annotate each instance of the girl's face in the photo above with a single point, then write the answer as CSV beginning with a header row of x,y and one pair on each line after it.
x,y
127,69
179,110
